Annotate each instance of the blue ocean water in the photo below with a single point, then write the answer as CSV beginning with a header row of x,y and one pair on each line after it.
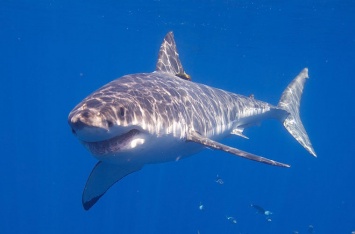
x,y
54,53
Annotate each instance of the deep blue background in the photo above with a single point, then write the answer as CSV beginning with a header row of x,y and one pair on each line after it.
x,y
54,53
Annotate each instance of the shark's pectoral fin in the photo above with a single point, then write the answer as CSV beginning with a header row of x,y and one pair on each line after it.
x,y
102,177
198,138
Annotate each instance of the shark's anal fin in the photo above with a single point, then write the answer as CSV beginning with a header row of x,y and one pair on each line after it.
x,y
197,138
102,177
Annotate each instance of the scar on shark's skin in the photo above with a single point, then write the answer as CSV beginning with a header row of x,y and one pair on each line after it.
x,y
162,116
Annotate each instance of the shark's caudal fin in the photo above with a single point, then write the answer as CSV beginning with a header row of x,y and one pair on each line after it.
x,y
290,101
102,177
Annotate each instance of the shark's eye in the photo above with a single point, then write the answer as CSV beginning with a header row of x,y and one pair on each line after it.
x,y
85,114
121,111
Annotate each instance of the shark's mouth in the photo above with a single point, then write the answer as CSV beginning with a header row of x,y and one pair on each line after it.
x,y
112,145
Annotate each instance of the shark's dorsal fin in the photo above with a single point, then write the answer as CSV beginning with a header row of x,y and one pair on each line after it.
x,y
198,138
168,59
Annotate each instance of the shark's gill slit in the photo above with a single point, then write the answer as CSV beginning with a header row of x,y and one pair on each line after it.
x,y
109,123
122,110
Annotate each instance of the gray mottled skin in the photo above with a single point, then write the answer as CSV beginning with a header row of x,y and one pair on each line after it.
x,y
162,116
162,101
164,104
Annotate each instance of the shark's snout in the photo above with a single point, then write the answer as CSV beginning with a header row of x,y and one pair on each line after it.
x,y
89,125
76,124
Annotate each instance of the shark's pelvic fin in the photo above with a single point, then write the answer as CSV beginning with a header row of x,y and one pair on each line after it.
x,y
102,177
168,59
290,101
198,138
239,132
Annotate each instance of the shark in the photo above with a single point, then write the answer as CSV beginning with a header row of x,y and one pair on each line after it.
x,y
162,116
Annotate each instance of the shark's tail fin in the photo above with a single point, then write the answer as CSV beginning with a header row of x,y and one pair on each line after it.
x,y
290,102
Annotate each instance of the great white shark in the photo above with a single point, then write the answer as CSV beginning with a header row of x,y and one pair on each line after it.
x,y
163,116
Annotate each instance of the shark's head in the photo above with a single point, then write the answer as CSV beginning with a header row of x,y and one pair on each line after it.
x,y
134,116
107,124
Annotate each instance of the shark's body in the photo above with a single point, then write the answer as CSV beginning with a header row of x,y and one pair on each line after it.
x,y
162,116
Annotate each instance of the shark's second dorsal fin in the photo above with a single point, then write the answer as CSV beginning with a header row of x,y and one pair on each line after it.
x,y
168,59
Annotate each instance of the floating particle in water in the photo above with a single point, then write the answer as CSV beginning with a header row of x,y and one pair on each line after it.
x,y
201,206
310,229
261,210
231,219
267,212
219,180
